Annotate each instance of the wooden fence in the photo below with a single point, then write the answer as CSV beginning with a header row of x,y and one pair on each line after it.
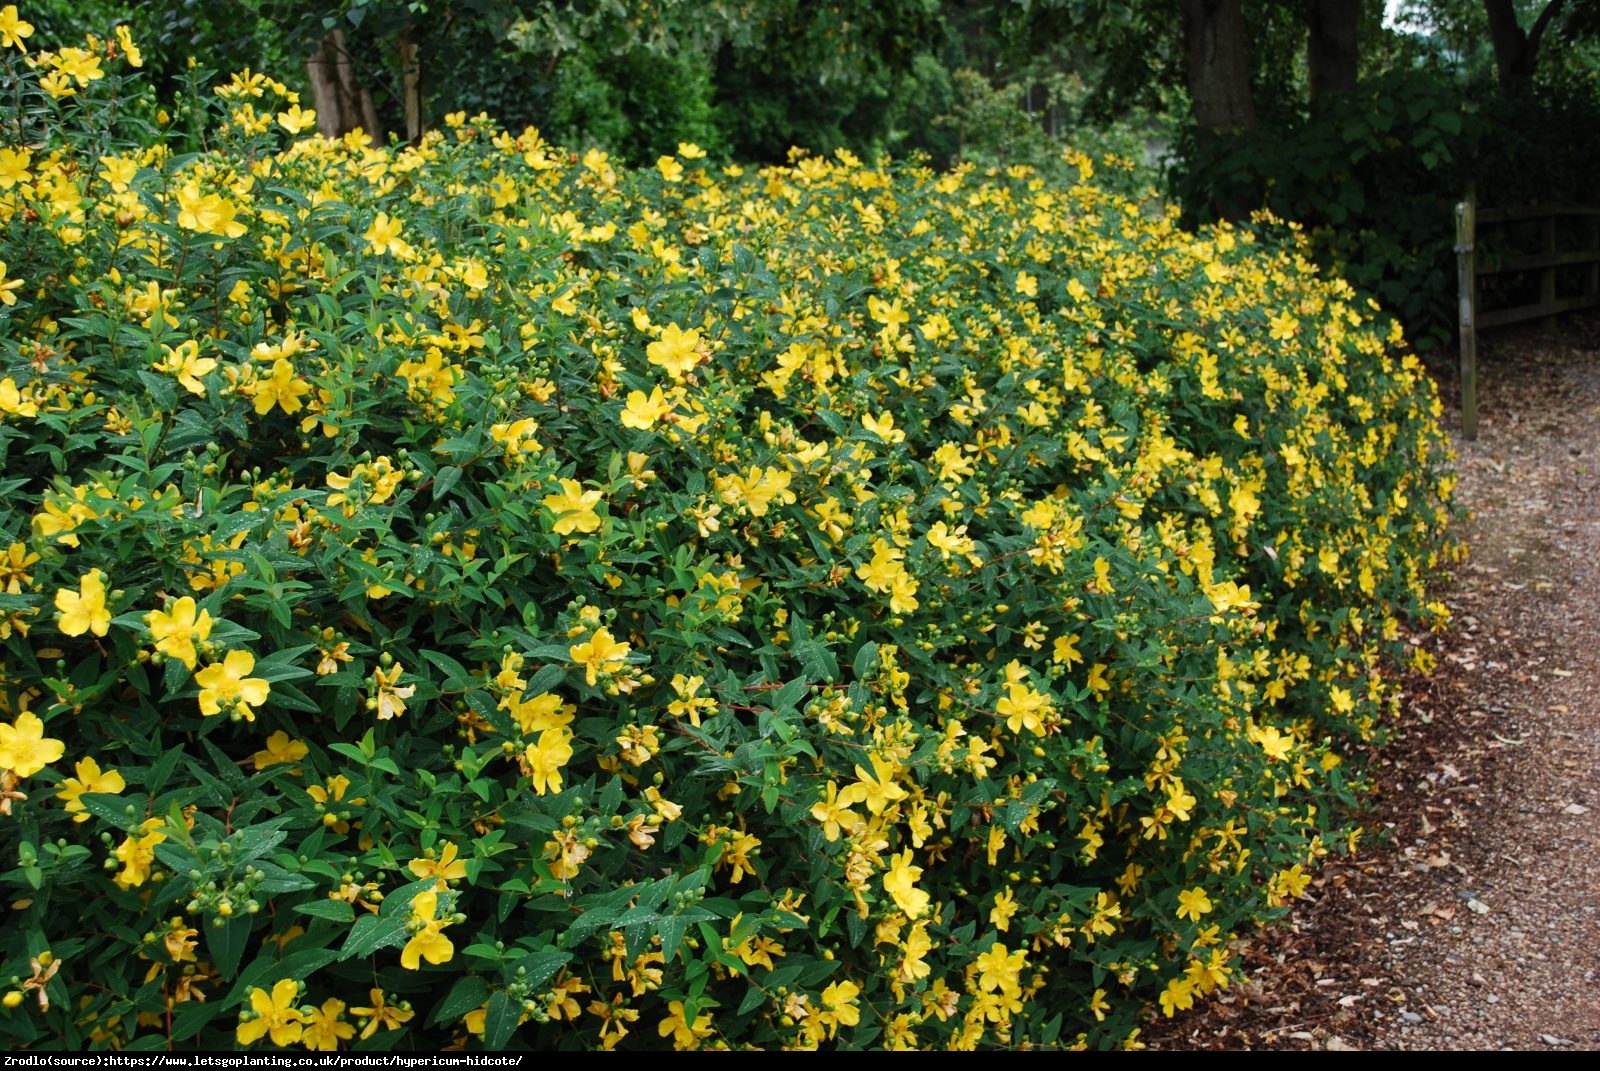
x,y
1568,253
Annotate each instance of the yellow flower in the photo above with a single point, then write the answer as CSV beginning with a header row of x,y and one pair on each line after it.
x,y
390,698
137,854
645,411
325,1028
883,427
1000,970
381,1014
427,943
574,508
601,653
6,295
275,1014
57,84
677,351
13,29
1005,905
384,236
1178,996
175,631
79,64
1024,708
84,610
185,364
1192,903
279,749
282,388
89,779
224,684
24,749
129,47
839,1006
297,119
566,853
835,815
685,1035
544,760
1275,744
208,213
757,489
446,868
899,881
13,169
690,703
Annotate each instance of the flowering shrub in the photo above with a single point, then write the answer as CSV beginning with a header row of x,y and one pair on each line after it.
x,y
473,595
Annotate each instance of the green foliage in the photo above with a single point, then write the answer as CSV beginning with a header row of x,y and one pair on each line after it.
x,y
1373,176
471,594
638,105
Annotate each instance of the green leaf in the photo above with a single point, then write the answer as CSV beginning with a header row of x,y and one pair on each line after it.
x,y
501,1020
672,928
468,993
446,479
866,662
752,999
788,697
113,809
336,910
455,674
372,932
191,1017
227,944
542,966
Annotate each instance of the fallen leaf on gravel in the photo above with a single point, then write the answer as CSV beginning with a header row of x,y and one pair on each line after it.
x,y
1477,907
1551,1039
1574,808
1339,1044
1351,1000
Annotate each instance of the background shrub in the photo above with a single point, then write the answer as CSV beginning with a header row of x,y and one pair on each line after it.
x,y
1374,176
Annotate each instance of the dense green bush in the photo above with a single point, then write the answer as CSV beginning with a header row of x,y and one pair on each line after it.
x,y
472,594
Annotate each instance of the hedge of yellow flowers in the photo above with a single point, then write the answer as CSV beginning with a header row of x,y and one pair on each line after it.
x,y
471,595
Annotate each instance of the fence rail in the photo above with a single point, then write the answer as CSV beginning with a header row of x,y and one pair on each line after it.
x,y
1548,264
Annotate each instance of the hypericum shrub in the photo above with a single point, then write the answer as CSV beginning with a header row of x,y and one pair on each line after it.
x,y
472,595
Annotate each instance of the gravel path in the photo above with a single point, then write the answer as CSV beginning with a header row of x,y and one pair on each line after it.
x,y
1477,925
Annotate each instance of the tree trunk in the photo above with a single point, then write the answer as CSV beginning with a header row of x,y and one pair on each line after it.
x,y
342,104
1218,64
1331,47
1516,52
411,80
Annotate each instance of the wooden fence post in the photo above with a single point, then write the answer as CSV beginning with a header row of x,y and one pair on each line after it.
x,y
1547,277
1591,282
1467,285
